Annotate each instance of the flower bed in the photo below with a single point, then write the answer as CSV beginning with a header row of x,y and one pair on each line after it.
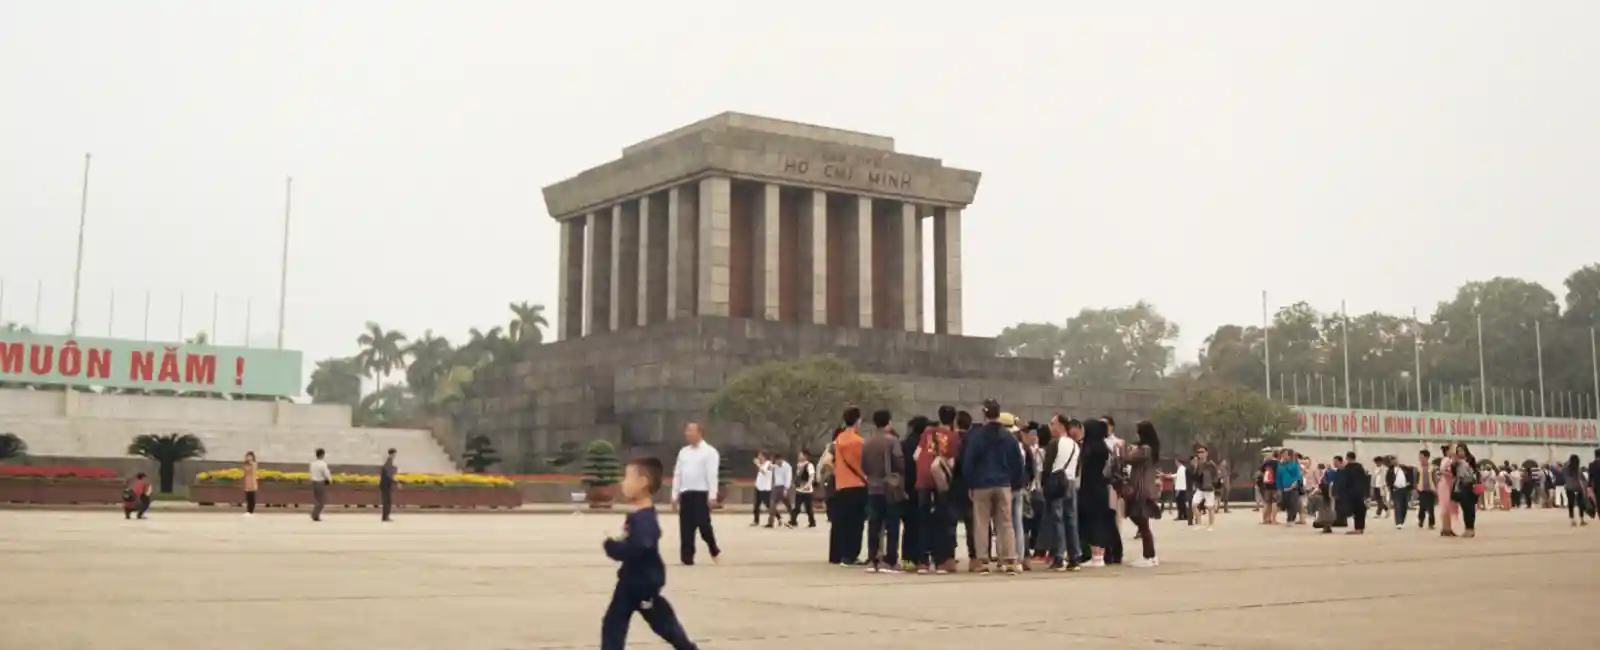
x,y
62,485
418,490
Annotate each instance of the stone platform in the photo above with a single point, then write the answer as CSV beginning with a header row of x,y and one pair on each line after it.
x,y
90,580
639,386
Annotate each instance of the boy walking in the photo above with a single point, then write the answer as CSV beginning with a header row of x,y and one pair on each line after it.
x,y
642,575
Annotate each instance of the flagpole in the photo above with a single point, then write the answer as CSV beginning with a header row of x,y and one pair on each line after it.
x,y
283,270
181,298
147,315
83,218
2,301
38,309
1538,342
1346,313
111,318
1266,341
248,305
1594,361
1416,338
213,336
1483,376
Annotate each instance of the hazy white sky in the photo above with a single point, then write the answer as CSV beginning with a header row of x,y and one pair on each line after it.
x,y
1190,154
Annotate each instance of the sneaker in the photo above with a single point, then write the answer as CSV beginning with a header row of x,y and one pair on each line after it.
x,y
1011,570
974,566
983,569
1058,566
1156,561
1074,567
1399,526
941,571
1208,529
872,568
888,568
922,569
1095,563
1142,563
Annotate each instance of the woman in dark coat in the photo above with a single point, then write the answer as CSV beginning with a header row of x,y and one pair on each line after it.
x,y
1097,522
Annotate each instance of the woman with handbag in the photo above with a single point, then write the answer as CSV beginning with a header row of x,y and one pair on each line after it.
x,y
1466,490
1139,494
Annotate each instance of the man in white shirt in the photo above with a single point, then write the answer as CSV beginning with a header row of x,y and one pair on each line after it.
x,y
782,477
1061,512
1180,489
694,489
321,478
763,486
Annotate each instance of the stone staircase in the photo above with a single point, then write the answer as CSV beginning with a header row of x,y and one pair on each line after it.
x,y
87,425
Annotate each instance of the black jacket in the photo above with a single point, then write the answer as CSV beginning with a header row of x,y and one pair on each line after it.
x,y
1353,483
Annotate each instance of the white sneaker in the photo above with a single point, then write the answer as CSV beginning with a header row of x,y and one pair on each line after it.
x,y
248,514
1156,561
1095,562
1208,529
1142,563
1399,526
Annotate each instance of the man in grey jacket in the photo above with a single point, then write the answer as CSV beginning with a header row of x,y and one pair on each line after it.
x,y
883,464
386,483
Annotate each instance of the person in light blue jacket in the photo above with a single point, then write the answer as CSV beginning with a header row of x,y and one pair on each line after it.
x,y
1290,481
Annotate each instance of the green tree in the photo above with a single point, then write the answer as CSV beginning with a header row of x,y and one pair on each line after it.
x,y
1583,298
336,381
387,406
1034,340
483,348
791,404
12,446
1231,420
167,450
1509,308
432,358
480,455
1099,348
528,323
600,465
382,352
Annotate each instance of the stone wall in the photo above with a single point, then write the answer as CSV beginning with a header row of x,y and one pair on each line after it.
x,y
637,387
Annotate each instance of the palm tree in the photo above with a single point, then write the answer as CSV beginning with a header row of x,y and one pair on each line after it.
x,y
12,446
431,357
482,348
382,352
528,326
385,406
336,381
167,450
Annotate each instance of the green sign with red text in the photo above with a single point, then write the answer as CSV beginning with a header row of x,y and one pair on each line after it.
x,y
148,365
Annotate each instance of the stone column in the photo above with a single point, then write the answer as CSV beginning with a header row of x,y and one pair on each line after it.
x,y
624,265
597,273
683,235
813,254
910,267
570,322
863,266
653,268
714,246
765,288
947,271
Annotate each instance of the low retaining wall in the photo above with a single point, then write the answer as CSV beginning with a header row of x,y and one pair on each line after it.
x,y
360,495
60,492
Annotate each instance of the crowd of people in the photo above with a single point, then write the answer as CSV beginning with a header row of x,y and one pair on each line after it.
x,y
1029,496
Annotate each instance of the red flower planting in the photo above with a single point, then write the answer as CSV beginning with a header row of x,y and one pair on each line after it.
x,y
62,472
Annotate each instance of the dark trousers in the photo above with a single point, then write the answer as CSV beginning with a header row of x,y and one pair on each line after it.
x,y
844,537
386,496
911,544
1184,503
319,494
1357,508
961,513
138,506
883,520
1377,497
763,498
250,501
802,500
1469,508
1141,521
937,541
1402,503
694,514
657,612
1425,505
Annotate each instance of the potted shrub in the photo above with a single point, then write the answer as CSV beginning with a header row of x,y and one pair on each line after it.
x,y
601,471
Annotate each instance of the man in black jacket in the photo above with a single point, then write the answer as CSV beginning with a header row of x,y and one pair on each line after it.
x,y
1354,484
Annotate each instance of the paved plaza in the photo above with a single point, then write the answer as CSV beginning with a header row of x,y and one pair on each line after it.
x,y
203,579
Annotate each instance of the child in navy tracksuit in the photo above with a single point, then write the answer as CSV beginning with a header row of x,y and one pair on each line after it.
x,y
642,575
